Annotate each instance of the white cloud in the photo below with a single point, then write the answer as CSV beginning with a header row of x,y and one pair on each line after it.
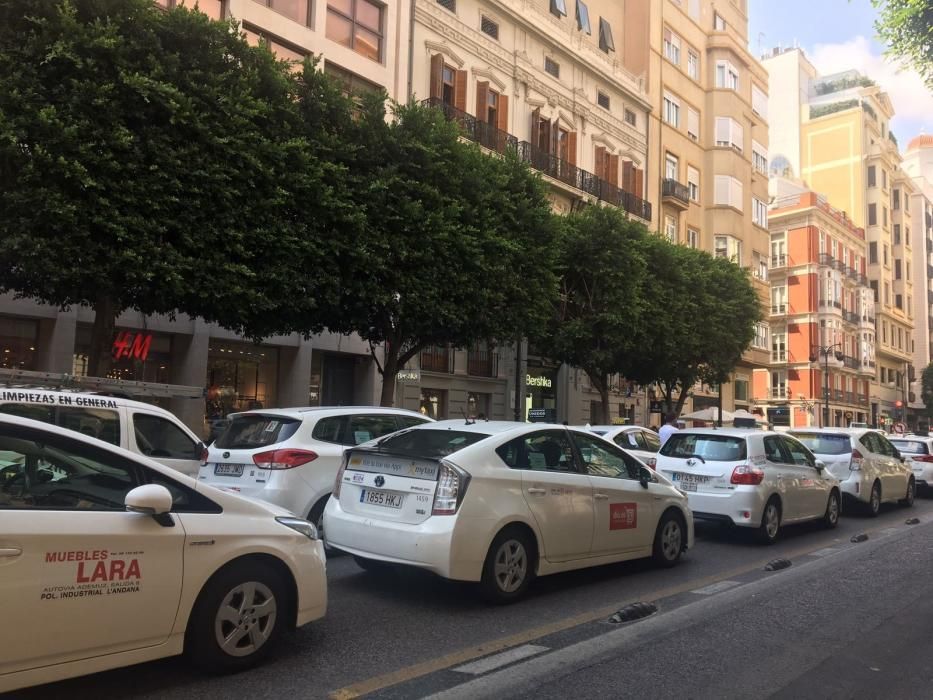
x,y
913,102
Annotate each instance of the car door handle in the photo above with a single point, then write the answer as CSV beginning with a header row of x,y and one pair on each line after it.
x,y
600,496
537,492
10,551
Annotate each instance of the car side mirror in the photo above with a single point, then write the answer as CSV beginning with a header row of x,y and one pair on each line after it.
x,y
820,465
644,477
151,499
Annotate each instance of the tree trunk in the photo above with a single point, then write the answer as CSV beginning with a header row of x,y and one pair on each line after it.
x,y
100,358
389,375
604,395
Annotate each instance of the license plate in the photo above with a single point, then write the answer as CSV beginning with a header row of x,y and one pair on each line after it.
x,y
687,486
691,479
228,469
381,498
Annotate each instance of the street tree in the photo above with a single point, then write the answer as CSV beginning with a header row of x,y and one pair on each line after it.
x,y
456,246
906,26
702,313
926,389
598,312
147,161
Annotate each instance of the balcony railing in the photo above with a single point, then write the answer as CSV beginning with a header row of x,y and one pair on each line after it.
x,y
500,141
779,392
826,259
435,359
779,260
850,362
482,363
851,317
675,190
852,273
863,400
839,394
778,308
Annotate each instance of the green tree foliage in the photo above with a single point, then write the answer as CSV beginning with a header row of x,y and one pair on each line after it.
x,y
149,160
598,313
906,26
926,391
456,245
702,313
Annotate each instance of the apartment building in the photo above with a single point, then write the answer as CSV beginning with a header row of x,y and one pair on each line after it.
x,y
832,132
822,316
709,137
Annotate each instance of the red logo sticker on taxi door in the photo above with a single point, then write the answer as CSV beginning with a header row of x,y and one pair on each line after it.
x,y
623,516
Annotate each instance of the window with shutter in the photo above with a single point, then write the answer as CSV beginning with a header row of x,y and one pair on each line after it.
x,y
551,66
503,112
448,4
605,36
460,91
639,182
482,100
759,102
601,163
613,178
693,124
488,27
583,17
628,176
602,99
558,8
693,182
437,76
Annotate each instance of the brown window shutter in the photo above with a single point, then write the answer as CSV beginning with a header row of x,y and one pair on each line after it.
x,y
639,184
460,88
535,127
503,112
600,162
553,131
437,76
482,101
613,178
628,176
572,147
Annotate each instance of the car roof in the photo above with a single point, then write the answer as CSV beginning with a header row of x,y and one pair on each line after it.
x,y
491,427
810,430
611,427
728,432
66,398
309,411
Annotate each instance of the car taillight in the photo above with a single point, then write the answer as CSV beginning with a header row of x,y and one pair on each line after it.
x,y
339,480
746,475
922,458
283,459
652,462
855,464
451,486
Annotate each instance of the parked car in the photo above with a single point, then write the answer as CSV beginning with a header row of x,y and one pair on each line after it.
x,y
918,451
641,442
290,456
111,559
500,503
139,427
870,469
750,478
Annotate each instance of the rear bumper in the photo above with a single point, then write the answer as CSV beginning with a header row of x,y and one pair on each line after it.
x,y
438,544
741,508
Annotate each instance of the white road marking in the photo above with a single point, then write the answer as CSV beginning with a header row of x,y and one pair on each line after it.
x,y
491,663
824,552
717,587
890,530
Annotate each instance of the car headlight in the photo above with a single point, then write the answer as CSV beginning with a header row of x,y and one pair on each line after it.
x,y
298,525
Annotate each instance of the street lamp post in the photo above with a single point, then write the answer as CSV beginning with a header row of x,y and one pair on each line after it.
x,y
825,351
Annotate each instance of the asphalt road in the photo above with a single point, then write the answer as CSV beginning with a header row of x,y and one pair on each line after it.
x,y
401,635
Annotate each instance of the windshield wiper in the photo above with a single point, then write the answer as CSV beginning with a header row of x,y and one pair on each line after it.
x,y
699,457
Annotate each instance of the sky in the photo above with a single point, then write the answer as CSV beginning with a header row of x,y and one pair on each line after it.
x,y
839,35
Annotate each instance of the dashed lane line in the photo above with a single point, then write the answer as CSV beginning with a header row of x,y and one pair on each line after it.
x,y
717,587
491,663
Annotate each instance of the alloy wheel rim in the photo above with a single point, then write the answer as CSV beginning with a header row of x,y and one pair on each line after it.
x,y
771,520
245,619
875,499
671,540
833,509
511,566
910,492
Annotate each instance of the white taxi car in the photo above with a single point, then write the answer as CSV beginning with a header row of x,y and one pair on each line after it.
x,y
870,469
750,478
109,559
641,442
501,502
917,450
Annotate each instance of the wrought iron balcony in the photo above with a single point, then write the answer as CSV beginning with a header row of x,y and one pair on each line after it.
x,y
851,317
494,139
437,359
839,394
826,259
675,193
850,362
482,363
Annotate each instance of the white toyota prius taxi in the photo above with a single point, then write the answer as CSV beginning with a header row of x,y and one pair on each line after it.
x,y
500,503
108,559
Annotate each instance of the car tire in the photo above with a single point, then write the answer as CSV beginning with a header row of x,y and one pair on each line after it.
x,y
770,527
373,566
833,509
669,540
225,632
908,500
873,507
509,567
316,516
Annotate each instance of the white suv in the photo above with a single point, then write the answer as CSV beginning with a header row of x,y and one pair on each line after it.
x,y
290,456
750,478
641,442
918,451
869,467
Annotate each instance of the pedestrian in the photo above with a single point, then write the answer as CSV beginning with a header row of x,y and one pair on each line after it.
x,y
670,426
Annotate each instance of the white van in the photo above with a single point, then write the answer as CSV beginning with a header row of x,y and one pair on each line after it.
x,y
138,427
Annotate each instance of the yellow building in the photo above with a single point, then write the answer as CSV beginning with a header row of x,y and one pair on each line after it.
x,y
708,150
833,133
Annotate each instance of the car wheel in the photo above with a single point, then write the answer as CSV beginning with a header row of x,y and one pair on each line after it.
x,y
316,516
831,517
238,618
874,500
908,500
373,566
770,522
669,540
509,567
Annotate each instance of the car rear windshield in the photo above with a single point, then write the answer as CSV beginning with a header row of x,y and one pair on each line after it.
x,y
718,448
914,447
255,430
430,444
825,443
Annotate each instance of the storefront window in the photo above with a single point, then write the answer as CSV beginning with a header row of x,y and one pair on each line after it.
x,y
478,405
18,337
541,395
434,403
137,355
240,377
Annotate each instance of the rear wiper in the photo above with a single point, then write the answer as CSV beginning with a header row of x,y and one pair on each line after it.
x,y
699,457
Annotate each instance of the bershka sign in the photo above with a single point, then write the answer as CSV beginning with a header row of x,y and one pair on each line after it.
x,y
129,344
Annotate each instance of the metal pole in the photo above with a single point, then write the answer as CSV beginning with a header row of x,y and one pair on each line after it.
x,y
825,388
518,379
